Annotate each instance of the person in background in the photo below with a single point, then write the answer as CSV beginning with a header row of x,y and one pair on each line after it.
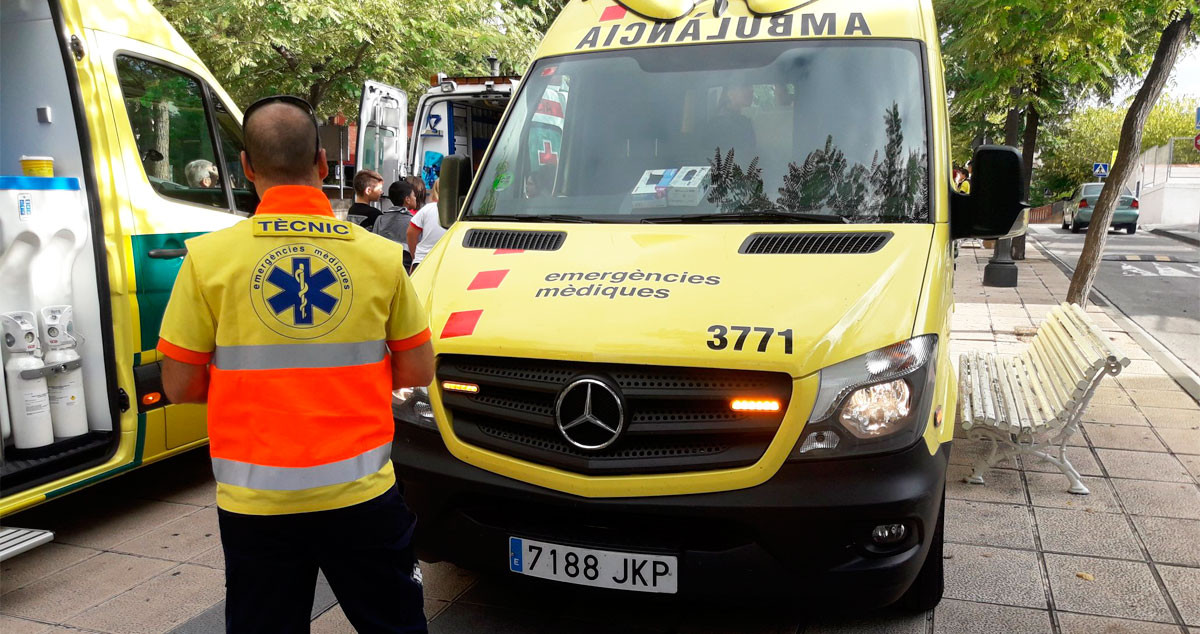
x,y
201,173
393,224
960,175
418,188
425,230
368,188
964,187
298,375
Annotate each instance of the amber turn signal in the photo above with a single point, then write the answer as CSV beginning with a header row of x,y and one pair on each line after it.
x,y
754,405
151,398
451,386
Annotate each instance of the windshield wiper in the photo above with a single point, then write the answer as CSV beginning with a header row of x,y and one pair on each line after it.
x,y
750,216
530,218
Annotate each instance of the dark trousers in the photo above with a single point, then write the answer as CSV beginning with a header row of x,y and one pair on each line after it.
x,y
365,551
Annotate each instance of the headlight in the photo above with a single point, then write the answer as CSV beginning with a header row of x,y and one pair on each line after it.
x,y
411,405
872,403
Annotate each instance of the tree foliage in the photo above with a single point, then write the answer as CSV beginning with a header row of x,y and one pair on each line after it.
x,y
323,50
1091,135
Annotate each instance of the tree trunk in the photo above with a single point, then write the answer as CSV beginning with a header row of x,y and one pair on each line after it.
x,y
1029,144
162,139
1173,39
1012,127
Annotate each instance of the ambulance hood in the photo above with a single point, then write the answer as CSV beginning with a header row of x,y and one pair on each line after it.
x,y
674,295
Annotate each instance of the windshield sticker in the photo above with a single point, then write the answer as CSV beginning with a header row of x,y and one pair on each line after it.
x,y
743,28
612,284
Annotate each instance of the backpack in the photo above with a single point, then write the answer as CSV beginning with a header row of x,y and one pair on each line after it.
x,y
393,225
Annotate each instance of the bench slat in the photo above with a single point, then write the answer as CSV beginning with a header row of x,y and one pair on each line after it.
x,y
966,408
984,409
1049,413
1081,368
1004,395
1038,415
1115,355
1055,375
1020,418
1081,342
1075,380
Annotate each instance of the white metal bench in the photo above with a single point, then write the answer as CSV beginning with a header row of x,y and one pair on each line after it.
x,y
1031,403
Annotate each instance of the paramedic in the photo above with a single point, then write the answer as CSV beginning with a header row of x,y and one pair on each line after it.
x,y
295,327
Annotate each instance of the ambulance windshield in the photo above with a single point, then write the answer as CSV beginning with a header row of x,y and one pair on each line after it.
x,y
822,131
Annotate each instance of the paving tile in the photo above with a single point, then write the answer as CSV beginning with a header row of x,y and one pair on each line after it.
x,y
1192,463
1164,398
40,562
967,451
1144,368
1123,589
121,522
1142,382
1088,624
994,575
987,524
1122,437
882,622
1080,457
1143,465
968,617
213,558
1050,489
445,581
184,479
1170,540
73,590
1172,418
1182,440
159,604
1183,584
180,540
1111,396
1086,533
1000,485
13,625
1161,499
467,617
1113,414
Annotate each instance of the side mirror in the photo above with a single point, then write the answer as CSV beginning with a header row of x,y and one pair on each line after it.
x,y
455,182
997,197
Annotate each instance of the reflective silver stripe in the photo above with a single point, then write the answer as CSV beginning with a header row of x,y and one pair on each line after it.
x,y
298,355
252,476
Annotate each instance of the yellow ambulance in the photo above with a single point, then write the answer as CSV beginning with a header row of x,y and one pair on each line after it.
x,y
116,145
692,316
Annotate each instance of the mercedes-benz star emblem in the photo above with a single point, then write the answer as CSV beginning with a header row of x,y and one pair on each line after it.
x,y
589,414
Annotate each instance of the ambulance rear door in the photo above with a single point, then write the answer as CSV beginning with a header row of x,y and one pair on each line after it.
x,y
382,131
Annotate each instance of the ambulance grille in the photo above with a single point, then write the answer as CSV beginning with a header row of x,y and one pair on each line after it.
x,y
516,240
815,243
676,419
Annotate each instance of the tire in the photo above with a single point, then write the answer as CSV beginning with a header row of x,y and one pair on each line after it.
x,y
1074,226
926,591
1131,228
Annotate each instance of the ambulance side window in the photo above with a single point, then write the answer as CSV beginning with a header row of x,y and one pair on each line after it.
x,y
245,199
166,110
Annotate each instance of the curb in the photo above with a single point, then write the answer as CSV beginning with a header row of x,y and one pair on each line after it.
x,y
1180,373
1175,236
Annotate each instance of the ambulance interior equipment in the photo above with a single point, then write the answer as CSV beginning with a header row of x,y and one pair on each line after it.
x,y
56,415
455,117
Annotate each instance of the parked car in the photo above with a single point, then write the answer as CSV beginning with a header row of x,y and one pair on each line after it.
x,y
1078,211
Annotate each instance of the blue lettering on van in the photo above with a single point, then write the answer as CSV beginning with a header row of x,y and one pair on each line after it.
x,y
695,30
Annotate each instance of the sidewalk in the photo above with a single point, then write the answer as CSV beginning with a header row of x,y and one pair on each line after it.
x,y
1022,549
142,554
1184,233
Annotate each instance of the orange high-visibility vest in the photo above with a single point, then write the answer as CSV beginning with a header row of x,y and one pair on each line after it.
x,y
295,312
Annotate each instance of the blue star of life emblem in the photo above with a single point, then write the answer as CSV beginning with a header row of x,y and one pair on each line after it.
x,y
302,291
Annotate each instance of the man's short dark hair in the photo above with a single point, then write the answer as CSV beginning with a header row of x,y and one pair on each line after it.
x,y
399,191
364,179
280,142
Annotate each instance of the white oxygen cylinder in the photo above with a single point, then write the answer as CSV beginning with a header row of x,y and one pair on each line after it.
x,y
65,384
28,397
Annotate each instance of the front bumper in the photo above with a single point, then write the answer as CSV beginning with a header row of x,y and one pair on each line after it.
x,y
806,530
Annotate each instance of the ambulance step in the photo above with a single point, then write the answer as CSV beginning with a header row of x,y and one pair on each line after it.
x,y
14,541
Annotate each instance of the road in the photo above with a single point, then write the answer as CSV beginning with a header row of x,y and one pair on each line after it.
x,y
1163,297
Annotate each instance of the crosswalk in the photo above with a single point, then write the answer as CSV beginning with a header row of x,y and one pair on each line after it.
x,y
1155,269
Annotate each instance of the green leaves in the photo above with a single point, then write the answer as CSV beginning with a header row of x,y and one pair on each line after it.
x,y
323,50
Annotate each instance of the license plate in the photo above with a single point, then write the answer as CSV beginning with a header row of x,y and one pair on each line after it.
x,y
597,568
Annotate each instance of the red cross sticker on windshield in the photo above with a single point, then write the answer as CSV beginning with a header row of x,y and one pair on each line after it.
x,y
547,156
